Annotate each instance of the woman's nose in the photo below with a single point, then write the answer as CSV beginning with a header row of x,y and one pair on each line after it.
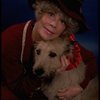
x,y
54,23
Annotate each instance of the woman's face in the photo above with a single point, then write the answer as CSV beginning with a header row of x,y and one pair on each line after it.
x,y
50,25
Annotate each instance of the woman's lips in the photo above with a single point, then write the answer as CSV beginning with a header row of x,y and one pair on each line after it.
x,y
48,31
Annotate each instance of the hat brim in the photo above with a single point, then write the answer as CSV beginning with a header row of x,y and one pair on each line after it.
x,y
77,16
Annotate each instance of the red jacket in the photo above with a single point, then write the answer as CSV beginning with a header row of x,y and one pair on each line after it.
x,y
13,70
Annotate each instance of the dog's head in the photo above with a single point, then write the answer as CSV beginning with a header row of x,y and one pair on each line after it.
x,y
47,56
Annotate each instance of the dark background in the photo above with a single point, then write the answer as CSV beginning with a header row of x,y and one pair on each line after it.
x,y
16,11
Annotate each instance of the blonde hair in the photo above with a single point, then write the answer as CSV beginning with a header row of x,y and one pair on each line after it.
x,y
45,6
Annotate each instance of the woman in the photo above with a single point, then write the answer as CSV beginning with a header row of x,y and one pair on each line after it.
x,y
54,18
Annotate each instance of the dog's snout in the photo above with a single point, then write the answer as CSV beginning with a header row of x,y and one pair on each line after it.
x,y
39,71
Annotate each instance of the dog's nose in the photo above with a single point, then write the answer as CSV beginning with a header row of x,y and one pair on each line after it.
x,y
39,71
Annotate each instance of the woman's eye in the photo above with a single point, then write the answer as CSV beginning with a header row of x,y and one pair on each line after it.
x,y
50,13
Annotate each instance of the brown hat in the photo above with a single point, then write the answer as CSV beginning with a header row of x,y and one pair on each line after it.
x,y
72,8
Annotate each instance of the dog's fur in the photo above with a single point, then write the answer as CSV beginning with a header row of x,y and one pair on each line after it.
x,y
47,61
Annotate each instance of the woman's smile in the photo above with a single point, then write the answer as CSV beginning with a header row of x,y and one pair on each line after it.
x,y
48,31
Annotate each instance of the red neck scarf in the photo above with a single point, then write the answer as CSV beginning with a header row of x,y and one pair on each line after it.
x,y
75,61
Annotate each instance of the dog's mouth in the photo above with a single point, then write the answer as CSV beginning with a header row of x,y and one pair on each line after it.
x,y
40,73
48,78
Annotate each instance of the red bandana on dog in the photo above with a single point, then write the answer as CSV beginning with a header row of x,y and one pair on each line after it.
x,y
75,61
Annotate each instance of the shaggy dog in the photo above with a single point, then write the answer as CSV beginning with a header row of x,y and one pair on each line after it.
x,y
47,61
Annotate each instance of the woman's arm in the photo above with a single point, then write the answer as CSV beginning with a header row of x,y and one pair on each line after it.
x,y
89,59
13,73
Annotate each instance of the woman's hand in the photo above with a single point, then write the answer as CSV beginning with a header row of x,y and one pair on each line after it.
x,y
69,93
70,62
65,62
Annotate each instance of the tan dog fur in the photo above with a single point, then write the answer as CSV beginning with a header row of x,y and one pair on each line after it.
x,y
51,64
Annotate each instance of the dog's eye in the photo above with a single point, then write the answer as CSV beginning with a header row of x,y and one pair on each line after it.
x,y
52,54
38,51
